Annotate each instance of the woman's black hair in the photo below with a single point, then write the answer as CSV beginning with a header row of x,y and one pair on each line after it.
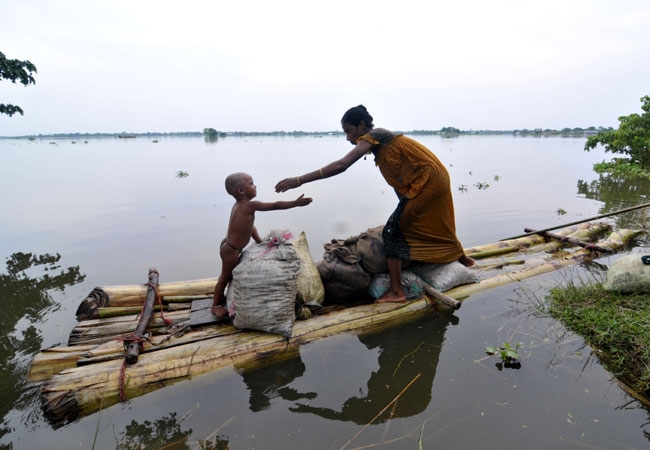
x,y
356,114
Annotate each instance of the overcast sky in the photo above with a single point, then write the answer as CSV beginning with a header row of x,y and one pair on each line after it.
x,y
238,65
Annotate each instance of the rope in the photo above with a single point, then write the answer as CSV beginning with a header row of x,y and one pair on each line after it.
x,y
159,299
133,338
122,382
275,243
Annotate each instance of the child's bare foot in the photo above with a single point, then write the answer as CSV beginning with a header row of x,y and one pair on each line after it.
x,y
389,297
219,311
466,261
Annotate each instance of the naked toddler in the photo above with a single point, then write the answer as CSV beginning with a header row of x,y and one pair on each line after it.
x,y
241,228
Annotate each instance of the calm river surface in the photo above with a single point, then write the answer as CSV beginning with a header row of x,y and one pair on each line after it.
x,y
112,208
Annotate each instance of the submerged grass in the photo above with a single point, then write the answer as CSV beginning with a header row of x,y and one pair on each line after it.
x,y
616,326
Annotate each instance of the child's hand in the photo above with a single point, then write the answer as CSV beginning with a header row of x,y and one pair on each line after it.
x,y
303,201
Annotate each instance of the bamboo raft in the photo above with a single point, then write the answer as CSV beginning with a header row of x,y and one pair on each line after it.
x,y
91,372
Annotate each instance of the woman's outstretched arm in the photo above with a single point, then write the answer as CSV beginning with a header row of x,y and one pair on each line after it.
x,y
329,170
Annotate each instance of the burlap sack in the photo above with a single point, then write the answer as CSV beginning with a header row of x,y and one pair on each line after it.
x,y
341,272
310,286
262,293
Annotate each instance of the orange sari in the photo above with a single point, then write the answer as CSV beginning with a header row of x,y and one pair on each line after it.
x,y
423,227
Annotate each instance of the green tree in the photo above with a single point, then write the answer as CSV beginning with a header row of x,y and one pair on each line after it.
x,y
632,138
210,132
15,70
450,130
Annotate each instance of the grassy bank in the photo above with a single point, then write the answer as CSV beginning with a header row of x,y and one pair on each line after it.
x,y
616,326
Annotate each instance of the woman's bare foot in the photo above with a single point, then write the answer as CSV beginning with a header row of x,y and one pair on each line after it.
x,y
389,297
466,261
219,311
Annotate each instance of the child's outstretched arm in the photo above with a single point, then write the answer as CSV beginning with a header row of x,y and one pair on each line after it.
x,y
272,206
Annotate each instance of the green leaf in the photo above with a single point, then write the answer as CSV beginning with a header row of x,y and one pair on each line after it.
x,y
490,350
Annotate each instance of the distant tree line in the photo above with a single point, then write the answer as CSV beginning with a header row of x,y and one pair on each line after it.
x,y
213,134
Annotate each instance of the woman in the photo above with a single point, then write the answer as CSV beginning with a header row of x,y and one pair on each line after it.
x,y
422,227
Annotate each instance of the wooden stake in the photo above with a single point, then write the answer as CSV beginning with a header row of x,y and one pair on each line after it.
x,y
133,349
447,300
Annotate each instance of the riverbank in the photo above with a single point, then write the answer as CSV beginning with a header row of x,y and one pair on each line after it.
x,y
616,326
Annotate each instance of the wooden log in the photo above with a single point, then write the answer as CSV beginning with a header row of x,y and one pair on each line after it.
x,y
500,264
97,331
615,241
184,298
135,295
590,219
103,313
514,245
52,361
582,232
572,241
447,300
133,346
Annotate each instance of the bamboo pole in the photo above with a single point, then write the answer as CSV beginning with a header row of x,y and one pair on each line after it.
x,y
600,216
98,331
517,244
572,241
616,241
135,295
585,232
119,311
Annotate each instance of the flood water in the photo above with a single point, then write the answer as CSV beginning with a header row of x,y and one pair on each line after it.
x,y
85,213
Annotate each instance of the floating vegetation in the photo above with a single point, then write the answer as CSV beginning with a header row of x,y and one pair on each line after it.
x,y
509,355
182,174
481,185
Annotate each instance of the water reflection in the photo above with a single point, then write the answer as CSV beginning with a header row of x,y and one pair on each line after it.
x,y
272,381
164,432
618,192
25,294
407,354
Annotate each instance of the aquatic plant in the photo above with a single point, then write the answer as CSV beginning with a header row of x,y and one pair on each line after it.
x,y
509,355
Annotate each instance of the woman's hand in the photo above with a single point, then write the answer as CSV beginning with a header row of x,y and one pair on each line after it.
x,y
287,183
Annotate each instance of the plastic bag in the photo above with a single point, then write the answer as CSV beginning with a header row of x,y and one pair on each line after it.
x,y
628,274
443,277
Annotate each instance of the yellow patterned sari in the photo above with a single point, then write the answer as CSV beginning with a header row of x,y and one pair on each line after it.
x,y
423,227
